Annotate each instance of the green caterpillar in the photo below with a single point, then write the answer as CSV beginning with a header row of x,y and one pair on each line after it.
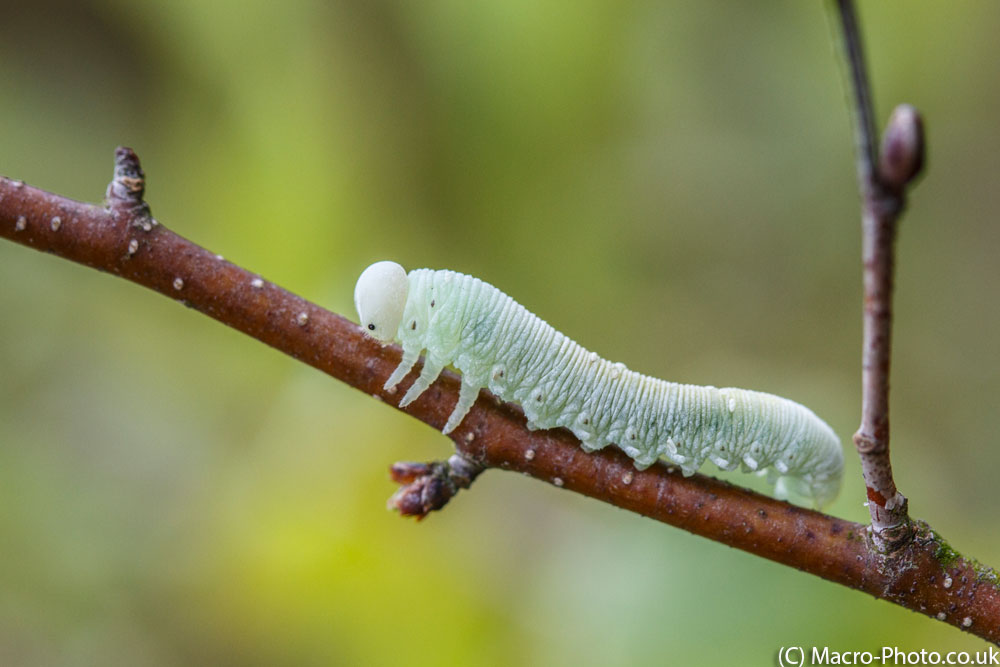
x,y
497,343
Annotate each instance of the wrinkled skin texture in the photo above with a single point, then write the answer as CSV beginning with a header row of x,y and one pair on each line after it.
x,y
496,343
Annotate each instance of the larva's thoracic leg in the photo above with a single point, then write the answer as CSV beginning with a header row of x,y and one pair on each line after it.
x,y
466,397
432,368
403,369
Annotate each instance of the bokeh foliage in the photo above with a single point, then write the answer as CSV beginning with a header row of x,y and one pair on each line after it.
x,y
670,183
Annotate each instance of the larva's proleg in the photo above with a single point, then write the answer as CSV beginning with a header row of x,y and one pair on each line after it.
x,y
496,343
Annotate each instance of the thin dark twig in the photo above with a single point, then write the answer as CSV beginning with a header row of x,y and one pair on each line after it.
x,y
864,114
883,195
122,239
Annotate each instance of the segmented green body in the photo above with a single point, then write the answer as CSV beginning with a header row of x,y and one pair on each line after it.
x,y
497,343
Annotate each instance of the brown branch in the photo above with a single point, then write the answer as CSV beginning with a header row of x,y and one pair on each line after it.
x,y
925,576
883,196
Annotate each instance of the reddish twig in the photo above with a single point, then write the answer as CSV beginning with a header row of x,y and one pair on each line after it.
x,y
926,575
883,195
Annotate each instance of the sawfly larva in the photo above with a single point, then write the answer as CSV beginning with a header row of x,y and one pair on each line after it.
x,y
497,343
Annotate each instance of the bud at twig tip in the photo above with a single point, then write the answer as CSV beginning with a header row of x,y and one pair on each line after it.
x,y
902,147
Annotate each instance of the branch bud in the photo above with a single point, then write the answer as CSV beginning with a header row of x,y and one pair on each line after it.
x,y
129,183
902,155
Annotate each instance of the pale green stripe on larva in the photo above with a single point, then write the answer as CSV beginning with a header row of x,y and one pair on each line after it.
x,y
496,343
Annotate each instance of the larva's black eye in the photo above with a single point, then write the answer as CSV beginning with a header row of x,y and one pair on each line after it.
x,y
371,327
413,325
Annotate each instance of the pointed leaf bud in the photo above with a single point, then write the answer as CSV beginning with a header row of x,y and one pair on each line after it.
x,y
902,155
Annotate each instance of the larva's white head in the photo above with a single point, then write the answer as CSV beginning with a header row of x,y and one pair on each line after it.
x,y
380,297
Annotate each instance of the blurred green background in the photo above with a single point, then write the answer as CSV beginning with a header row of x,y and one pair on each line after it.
x,y
670,183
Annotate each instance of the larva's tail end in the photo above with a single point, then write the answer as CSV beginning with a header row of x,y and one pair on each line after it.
x,y
820,492
826,489
825,492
